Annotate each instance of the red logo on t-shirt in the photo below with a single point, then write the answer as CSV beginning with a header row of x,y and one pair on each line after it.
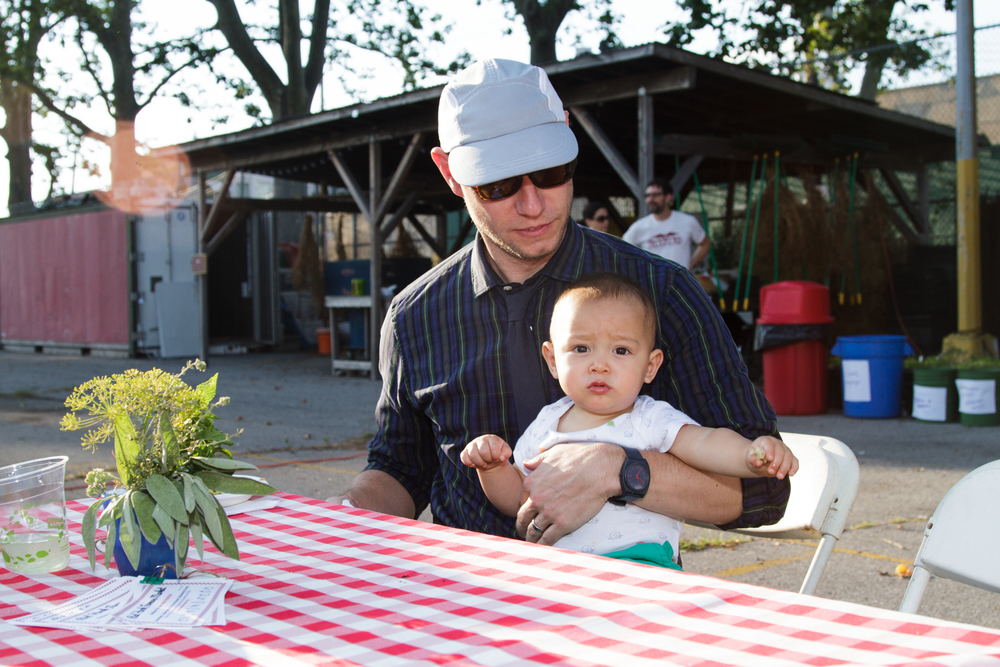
x,y
660,240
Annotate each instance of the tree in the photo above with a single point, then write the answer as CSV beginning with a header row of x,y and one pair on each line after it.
x,y
542,20
23,26
330,33
826,38
110,36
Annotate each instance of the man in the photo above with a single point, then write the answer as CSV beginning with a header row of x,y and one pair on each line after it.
x,y
668,233
461,347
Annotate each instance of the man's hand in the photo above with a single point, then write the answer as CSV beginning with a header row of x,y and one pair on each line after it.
x,y
568,486
486,452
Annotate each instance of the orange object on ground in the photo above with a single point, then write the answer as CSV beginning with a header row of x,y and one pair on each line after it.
x,y
323,341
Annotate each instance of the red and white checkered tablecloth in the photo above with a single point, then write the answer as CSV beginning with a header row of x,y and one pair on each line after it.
x,y
327,585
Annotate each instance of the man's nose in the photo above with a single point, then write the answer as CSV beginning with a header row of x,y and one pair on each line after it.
x,y
529,199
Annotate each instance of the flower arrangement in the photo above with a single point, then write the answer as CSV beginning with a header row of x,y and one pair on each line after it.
x,y
171,461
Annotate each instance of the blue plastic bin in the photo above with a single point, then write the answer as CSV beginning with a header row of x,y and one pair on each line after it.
x,y
872,374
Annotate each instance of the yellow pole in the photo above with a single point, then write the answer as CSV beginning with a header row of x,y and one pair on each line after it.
x,y
970,340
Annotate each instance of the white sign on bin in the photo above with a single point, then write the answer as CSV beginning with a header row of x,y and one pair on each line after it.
x,y
857,380
977,397
930,403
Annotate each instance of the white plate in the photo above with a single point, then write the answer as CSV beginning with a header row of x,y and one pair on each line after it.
x,y
230,499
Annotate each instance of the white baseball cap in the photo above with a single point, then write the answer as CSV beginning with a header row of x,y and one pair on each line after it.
x,y
501,118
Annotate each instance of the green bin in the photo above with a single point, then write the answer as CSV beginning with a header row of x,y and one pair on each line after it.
x,y
935,398
977,396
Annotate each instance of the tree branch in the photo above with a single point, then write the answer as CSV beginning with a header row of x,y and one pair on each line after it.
x,y
70,119
235,32
317,47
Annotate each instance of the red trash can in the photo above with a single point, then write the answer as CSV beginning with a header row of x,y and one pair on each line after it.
x,y
795,375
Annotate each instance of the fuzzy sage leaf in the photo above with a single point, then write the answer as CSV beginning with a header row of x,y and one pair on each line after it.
x,y
166,496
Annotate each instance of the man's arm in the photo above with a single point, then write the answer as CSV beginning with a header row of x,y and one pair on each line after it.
x,y
380,492
570,483
700,252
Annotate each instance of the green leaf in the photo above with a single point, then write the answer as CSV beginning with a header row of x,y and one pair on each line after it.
x,y
221,483
206,390
129,537
222,464
112,511
171,449
165,522
181,544
166,496
206,505
127,450
195,526
87,529
229,547
109,545
144,506
188,492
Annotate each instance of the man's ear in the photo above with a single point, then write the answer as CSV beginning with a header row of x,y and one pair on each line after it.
x,y
441,160
549,353
655,359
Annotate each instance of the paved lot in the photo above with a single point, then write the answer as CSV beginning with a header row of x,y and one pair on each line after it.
x,y
307,430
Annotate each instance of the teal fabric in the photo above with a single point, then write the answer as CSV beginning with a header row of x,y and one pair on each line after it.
x,y
648,553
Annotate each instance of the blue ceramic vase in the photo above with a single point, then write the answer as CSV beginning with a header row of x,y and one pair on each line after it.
x,y
151,557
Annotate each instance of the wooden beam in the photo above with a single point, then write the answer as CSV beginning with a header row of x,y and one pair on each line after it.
x,y
683,174
671,80
375,277
609,151
397,217
227,228
306,204
894,218
351,184
207,231
899,192
438,249
709,146
402,171
647,152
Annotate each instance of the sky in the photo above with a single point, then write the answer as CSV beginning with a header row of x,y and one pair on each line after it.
x,y
481,30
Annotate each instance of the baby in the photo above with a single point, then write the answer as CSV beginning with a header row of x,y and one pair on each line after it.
x,y
601,349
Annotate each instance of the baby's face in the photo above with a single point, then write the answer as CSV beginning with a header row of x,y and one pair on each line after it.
x,y
601,352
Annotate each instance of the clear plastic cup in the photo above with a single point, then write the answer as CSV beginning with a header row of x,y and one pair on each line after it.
x,y
33,534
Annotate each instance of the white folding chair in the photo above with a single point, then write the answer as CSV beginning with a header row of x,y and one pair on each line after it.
x,y
961,540
823,491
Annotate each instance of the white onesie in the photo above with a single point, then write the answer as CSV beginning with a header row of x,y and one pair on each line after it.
x,y
652,425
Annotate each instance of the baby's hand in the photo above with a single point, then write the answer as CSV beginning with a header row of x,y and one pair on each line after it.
x,y
770,457
486,452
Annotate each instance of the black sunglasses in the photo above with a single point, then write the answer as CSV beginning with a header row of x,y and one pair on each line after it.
x,y
552,177
602,218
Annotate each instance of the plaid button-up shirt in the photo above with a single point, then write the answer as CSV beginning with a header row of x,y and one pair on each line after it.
x,y
446,378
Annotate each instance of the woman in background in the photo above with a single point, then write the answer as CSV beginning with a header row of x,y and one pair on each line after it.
x,y
595,216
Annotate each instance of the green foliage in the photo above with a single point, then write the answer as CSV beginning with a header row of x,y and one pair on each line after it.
x,y
820,40
171,461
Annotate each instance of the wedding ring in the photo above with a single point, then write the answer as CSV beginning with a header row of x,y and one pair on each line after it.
x,y
535,527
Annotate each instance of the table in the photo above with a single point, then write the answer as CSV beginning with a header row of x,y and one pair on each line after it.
x,y
327,585
370,363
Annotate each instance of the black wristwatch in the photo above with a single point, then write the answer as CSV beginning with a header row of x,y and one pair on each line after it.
x,y
634,477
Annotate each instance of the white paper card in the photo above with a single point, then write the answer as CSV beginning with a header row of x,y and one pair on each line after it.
x,y
857,380
930,403
126,604
977,397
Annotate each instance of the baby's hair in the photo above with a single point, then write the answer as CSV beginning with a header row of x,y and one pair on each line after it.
x,y
614,286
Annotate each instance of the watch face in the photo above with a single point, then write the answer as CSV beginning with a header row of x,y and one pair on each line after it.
x,y
637,476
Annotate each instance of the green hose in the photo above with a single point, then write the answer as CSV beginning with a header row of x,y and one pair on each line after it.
x,y
753,242
746,227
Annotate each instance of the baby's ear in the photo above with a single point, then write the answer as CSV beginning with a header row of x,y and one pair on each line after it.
x,y
549,353
655,359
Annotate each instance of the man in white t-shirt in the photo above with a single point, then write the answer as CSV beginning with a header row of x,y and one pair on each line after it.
x,y
668,233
